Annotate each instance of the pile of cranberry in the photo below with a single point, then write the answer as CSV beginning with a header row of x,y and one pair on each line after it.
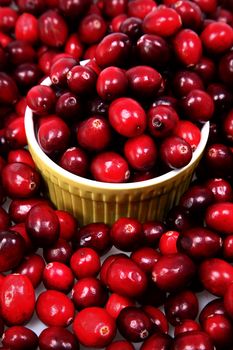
x,y
169,66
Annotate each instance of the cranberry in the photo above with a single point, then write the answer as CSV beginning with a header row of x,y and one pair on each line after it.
x,y
217,37
20,52
113,50
113,8
126,234
15,133
68,106
59,70
187,46
53,135
116,303
216,275
189,132
54,308
190,14
88,292
140,8
120,344
94,327
97,106
221,96
158,319
112,82
157,341
152,231
45,61
4,219
52,29
162,21
214,307
225,68
81,80
116,22
19,208
196,199
205,68
198,106
21,229
74,47
42,225
68,224
73,8
193,340
167,242
26,28
106,264
92,29
145,257
184,82
219,159
74,160
162,120
144,81
20,156
20,338
34,7
8,18
131,26
58,276
219,217
17,299
110,167
172,272
85,262
175,152
119,278
219,328
221,189
41,99
228,248
186,326
60,251
12,247
8,89
153,50
95,235
57,338
32,266
228,127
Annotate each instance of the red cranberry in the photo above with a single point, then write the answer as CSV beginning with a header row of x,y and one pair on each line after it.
x,y
131,26
74,160
167,242
26,28
20,338
220,329
94,327
52,29
193,340
57,338
85,262
219,217
225,68
110,167
113,8
219,159
73,8
126,234
228,127
162,120
112,82
34,7
74,47
119,278
216,275
8,18
162,21
140,8
95,235
12,247
68,106
97,106
180,307
158,319
217,37
184,82
106,264
145,257
196,199
68,225
190,14
54,308
221,189
186,326
60,251
88,292
21,229
152,231
153,50
58,276
42,225
228,248
221,96
172,272
116,303
198,106
17,299
214,307
81,80
41,99
92,29
113,50
53,135
116,22
205,68
8,89
157,341
188,47
175,152
120,344
32,266
189,132
45,61
20,156
15,133
59,70
19,208
20,52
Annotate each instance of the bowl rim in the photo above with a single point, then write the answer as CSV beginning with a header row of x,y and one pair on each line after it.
x,y
33,143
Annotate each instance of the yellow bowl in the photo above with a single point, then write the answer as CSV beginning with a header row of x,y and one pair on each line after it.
x,y
93,201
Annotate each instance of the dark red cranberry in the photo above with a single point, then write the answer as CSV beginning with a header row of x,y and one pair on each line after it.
x,y
8,89
228,126
205,68
19,208
74,160
81,80
198,106
21,229
217,37
89,292
58,276
188,47
85,262
74,47
60,251
68,106
20,52
42,225
152,231
220,329
225,69
145,257
152,296
157,341
45,61
106,264
175,152
35,7
27,74
52,29
32,266
132,26
112,82
54,308
216,275
194,340
162,120
186,326
93,326
213,307
228,304
57,338
221,189
221,96
20,338
190,14
15,133
41,99
92,29
113,50
26,28
153,50
12,247
95,235
8,19
73,8
219,159
140,8
167,242
116,303
120,344
4,219
184,82
228,248
97,106
144,81
59,70
158,319
112,8
126,234
196,199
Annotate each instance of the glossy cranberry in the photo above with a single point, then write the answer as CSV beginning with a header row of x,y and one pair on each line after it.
x,y
126,234
225,68
54,308
81,80
144,81
57,338
73,8
167,242
88,292
8,89
120,344
53,135
162,21
158,319
19,307
60,251
95,235
219,159
15,133
20,52
188,48
140,8
157,341
175,152
20,338
112,8
120,281
32,267
184,82
152,231
8,18
26,28
145,257
186,326
68,225
228,248
198,106
193,340
12,247
20,156
110,167
162,120
214,307
52,29
116,303
221,189
132,26
74,47
113,50
221,96
19,208
45,61
228,126
59,70
85,262
58,276
216,275
42,225
21,229
41,99
219,328
219,217
190,14
92,29
97,106
106,264
153,50
93,326
116,22
217,37
196,199
205,68
68,106
74,160
112,83
5,39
